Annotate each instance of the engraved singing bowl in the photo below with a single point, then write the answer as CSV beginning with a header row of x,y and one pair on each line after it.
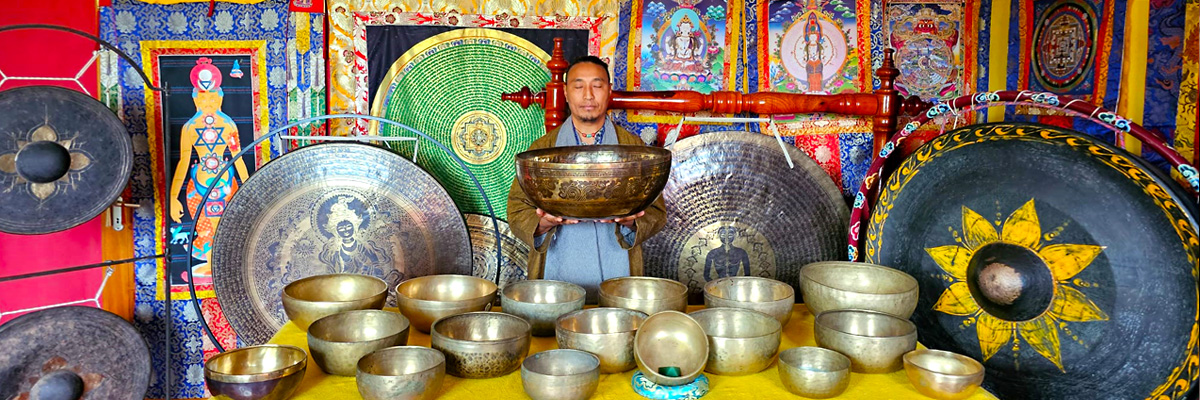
x,y
266,372
401,372
560,375
606,332
670,340
814,372
338,341
481,345
873,341
315,297
426,299
943,375
740,341
764,295
541,302
646,294
843,285
589,182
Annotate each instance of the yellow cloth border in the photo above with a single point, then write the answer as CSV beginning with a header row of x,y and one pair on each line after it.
x,y
1131,101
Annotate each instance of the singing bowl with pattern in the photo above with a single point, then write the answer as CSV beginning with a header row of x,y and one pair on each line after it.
x,y
541,302
598,181
560,375
814,372
843,285
426,299
873,341
264,372
481,345
315,297
646,294
670,339
740,341
401,373
764,295
607,332
338,341
943,375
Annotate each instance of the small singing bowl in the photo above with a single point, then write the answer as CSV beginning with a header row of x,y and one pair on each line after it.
x,y
814,372
593,181
428,298
605,332
480,345
670,348
401,373
643,293
943,375
339,340
266,372
315,297
843,285
560,375
873,341
541,302
764,295
740,341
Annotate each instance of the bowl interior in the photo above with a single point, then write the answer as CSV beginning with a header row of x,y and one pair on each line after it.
x,y
750,289
643,288
602,320
864,323
398,361
446,288
562,362
607,154
672,339
336,288
943,362
543,292
735,323
814,359
358,326
860,278
482,327
256,360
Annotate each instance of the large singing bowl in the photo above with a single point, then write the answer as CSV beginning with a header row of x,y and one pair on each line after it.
x,y
590,182
841,285
266,372
315,297
670,341
425,299
481,345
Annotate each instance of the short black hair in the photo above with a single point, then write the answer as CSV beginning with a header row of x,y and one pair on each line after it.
x,y
589,59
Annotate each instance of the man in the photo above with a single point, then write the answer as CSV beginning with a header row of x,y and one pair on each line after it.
x,y
584,253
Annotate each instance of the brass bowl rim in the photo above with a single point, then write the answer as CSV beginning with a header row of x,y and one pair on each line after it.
x,y
434,333
571,286
307,278
704,344
258,377
636,313
407,325
526,158
910,282
668,282
907,324
821,350
758,314
594,367
711,285
400,295
393,349
968,361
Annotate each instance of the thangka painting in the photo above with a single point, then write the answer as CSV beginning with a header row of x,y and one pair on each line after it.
x,y
1065,47
814,46
932,47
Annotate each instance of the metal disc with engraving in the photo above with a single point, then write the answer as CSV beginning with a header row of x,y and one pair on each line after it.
x,y
330,208
735,208
1063,264
72,352
64,158
514,252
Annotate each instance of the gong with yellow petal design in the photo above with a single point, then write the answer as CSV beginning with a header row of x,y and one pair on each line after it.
x,y
1068,267
64,158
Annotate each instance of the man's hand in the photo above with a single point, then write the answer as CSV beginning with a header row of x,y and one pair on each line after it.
x,y
548,222
627,222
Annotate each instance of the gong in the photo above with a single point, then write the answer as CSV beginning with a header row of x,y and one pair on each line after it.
x,y
72,352
1063,264
64,158
330,208
735,208
514,259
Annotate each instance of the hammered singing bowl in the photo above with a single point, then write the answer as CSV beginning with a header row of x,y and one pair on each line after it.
x,y
266,372
843,285
338,341
428,298
873,341
606,332
315,297
541,302
589,182
642,293
401,373
740,341
481,345
764,295
560,375
670,341
814,372
943,375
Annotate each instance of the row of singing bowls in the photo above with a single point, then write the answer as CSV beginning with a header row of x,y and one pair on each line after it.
x,y
814,372
315,297
670,340
541,302
560,375
428,298
606,332
841,285
642,293
873,341
338,341
266,372
593,181
401,373
764,295
740,341
482,345
942,374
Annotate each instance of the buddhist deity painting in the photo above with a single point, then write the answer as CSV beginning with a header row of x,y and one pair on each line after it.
x,y
682,46
814,46
1066,46
929,48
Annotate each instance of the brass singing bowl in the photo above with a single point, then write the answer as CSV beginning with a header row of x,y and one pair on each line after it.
x,y
646,294
266,372
541,302
560,375
943,375
843,285
315,297
670,339
873,341
593,181
764,295
606,332
814,372
426,299
481,345
740,341
338,341
401,373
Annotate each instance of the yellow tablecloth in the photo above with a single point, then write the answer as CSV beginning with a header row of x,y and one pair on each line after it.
x,y
763,385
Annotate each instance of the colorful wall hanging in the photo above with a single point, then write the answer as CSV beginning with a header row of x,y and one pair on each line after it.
x,y
306,94
1065,48
814,46
935,58
1188,111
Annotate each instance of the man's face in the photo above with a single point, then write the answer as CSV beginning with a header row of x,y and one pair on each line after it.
x,y
588,91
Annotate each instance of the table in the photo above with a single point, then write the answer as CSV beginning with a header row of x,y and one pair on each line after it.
x,y
764,385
